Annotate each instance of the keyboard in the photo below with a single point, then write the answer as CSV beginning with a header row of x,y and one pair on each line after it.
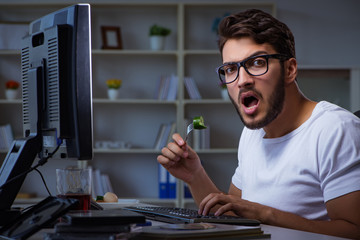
x,y
183,215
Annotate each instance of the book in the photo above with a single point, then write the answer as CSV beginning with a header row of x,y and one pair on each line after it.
x,y
171,186
107,186
192,88
173,88
101,183
187,192
201,231
163,182
164,135
97,187
172,131
160,136
167,88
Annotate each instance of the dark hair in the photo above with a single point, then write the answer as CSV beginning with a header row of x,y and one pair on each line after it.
x,y
261,27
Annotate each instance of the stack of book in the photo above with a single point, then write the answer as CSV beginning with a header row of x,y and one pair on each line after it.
x,y
167,88
202,231
101,184
6,137
164,135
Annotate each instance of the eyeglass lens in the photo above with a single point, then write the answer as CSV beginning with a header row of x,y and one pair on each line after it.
x,y
255,66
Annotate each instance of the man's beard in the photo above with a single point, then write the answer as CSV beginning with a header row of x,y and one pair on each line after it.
x,y
276,103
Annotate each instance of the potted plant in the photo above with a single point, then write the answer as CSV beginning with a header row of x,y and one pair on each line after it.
x,y
113,88
11,91
224,91
157,36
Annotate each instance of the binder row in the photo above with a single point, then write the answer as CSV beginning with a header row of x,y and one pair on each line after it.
x,y
167,185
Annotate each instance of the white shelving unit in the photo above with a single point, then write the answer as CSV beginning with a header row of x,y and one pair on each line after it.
x,y
135,118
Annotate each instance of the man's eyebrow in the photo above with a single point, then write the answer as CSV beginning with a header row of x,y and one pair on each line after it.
x,y
252,55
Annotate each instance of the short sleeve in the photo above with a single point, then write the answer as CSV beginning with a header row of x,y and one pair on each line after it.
x,y
339,164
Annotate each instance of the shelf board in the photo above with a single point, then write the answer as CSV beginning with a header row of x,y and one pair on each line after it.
x,y
107,101
132,52
217,151
132,101
5,101
131,150
207,101
155,151
201,52
5,52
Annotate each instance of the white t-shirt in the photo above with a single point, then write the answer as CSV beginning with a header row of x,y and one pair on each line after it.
x,y
302,170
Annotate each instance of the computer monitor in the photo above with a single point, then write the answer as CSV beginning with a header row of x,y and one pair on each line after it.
x,y
57,97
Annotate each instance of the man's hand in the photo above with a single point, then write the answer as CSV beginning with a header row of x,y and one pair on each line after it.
x,y
343,212
180,160
234,204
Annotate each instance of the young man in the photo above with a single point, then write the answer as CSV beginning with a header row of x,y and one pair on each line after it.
x,y
299,161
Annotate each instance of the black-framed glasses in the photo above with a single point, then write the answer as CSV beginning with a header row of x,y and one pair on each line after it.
x,y
254,66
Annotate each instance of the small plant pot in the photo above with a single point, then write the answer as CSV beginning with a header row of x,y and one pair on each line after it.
x,y
113,93
11,94
224,94
157,43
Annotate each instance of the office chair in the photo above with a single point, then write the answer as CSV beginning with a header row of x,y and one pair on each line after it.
x,y
357,113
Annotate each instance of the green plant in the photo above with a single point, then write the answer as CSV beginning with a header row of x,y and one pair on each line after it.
x,y
114,83
156,30
222,85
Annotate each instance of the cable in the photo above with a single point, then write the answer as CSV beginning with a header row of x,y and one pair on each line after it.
x,y
43,179
41,162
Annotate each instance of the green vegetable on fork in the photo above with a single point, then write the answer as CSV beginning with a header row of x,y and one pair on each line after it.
x,y
198,123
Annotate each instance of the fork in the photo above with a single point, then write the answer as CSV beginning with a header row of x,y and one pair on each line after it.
x,y
189,129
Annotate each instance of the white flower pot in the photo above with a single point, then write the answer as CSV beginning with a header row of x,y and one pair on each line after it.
x,y
11,94
224,94
113,93
157,42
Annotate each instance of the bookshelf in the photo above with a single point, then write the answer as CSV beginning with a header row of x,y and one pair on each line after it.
x,y
136,116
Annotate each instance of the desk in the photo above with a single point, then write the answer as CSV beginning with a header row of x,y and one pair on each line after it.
x,y
277,233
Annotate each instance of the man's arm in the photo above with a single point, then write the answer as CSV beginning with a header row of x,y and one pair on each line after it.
x,y
183,163
343,211
201,186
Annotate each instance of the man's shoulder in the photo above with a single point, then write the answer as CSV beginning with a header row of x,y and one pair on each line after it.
x,y
331,114
331,120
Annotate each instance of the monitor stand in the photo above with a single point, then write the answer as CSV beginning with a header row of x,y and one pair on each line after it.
x,y
7,216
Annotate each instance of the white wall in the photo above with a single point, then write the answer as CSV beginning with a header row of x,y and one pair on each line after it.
x,y
327,32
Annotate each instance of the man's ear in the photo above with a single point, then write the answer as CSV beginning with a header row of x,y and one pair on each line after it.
x,y
290,70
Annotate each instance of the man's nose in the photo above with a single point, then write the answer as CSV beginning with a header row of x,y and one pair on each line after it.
x,y
244,78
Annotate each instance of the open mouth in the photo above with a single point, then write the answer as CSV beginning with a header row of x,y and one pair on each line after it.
x,y
249,100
